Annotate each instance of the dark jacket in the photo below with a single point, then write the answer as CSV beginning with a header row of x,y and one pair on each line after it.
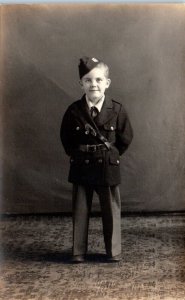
x,y
101,167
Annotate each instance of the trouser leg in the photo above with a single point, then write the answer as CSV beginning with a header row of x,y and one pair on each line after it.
x,y
82,200
111,217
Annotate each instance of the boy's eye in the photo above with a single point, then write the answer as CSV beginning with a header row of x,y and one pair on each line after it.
x,y
98,79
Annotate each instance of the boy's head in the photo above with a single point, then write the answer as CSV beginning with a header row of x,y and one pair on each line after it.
x,y
94,78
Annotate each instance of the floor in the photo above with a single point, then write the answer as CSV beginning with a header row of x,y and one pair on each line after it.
x,y
35,260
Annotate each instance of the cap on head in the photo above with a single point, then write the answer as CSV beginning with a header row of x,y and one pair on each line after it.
x,y
87,64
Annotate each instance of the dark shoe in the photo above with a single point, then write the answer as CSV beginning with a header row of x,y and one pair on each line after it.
x,y
78,259
115,258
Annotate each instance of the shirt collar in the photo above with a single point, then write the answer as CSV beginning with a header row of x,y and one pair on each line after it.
x,y
98,105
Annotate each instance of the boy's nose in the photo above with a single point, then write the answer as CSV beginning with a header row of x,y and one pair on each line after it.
x,y
93,83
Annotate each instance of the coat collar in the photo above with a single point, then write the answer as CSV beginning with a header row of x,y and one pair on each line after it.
x,y
106,114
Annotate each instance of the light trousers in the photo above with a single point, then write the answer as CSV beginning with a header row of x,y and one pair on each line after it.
x,y
110,203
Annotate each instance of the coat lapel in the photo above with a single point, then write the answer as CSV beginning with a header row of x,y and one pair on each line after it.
x,y
107,112
84,109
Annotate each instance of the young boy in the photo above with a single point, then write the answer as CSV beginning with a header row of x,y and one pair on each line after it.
x,y
95,131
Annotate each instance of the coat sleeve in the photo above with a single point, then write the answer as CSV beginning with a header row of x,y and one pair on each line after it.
x,y
66,135
124,134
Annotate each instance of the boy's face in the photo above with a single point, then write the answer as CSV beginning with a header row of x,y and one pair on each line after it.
x,y
95,83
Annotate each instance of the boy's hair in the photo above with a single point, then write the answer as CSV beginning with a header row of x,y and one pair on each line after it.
x,y
105,67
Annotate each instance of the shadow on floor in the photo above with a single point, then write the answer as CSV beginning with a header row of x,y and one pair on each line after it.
x,y
52,257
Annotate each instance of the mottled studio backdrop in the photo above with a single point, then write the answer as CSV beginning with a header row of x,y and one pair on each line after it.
x,y
40,47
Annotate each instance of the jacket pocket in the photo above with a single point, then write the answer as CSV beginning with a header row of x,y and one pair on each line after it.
x,y
76,160
109,131
113,160
77,128
109,127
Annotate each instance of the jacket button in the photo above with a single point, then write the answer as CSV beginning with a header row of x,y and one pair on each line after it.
x,y
117,162
87,161
86,132
112,128
100,161
77,128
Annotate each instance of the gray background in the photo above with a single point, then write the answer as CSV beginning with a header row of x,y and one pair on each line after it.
x,y
144,46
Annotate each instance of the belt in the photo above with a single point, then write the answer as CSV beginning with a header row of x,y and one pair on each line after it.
x,y
92,148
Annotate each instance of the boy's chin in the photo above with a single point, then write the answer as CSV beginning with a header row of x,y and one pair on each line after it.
x,y
94,99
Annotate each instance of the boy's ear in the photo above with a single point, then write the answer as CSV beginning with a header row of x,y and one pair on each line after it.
x,y
81,84
108,82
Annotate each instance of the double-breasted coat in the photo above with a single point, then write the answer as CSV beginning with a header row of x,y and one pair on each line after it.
x,y
100,167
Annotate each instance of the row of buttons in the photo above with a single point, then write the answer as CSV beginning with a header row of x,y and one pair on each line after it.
x,y
87,161
100,161
78,128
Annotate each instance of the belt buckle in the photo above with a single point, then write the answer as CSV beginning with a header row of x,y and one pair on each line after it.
x,y
91,148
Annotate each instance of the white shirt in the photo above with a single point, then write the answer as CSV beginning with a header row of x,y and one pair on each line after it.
x,y
98,105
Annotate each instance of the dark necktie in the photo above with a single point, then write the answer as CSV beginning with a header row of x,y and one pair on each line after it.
x,y
94,111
